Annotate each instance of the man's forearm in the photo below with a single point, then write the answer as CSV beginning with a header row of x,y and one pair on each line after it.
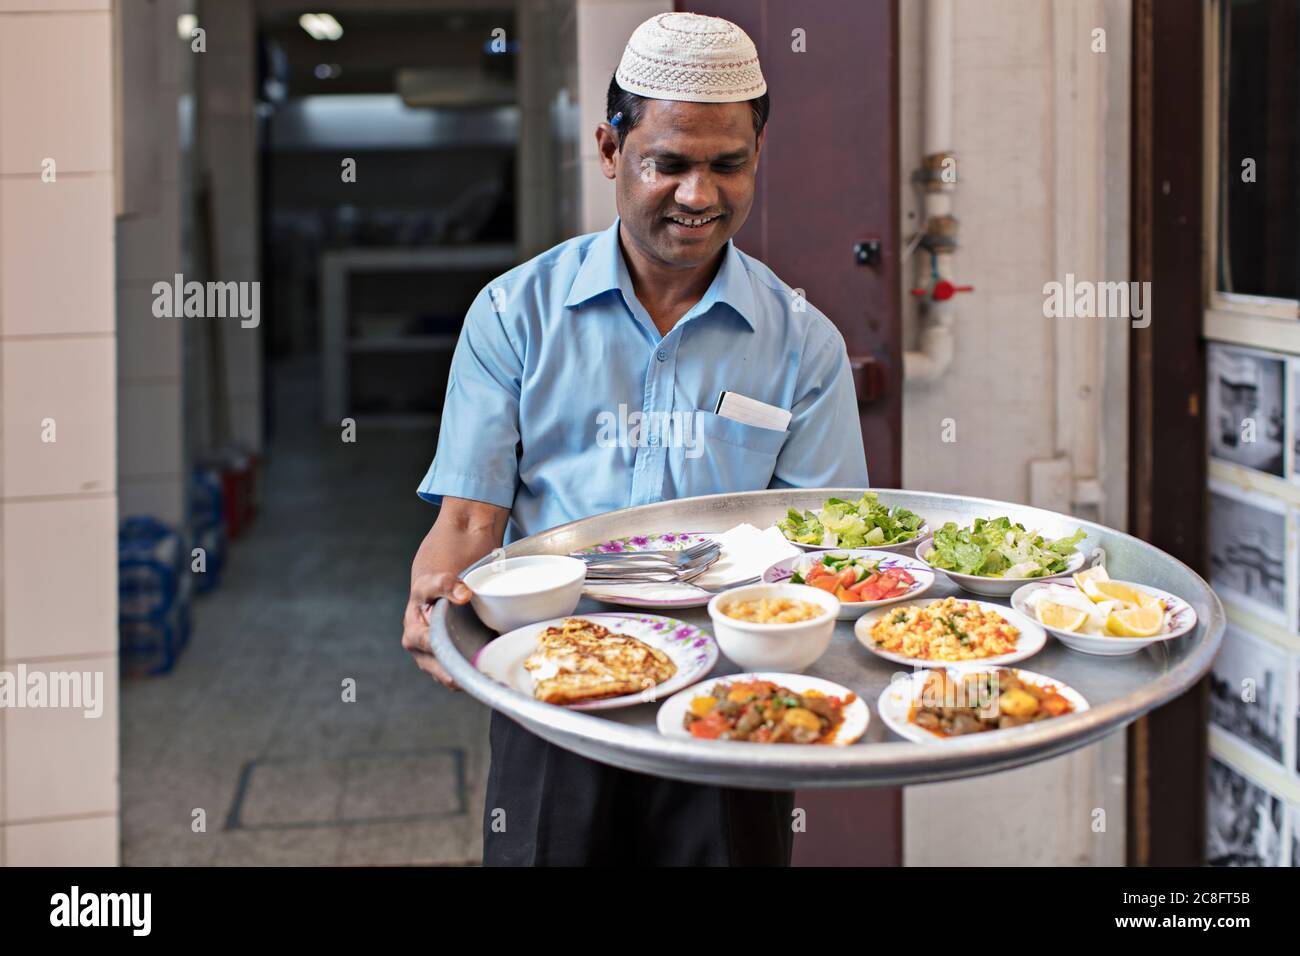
x,y
453,545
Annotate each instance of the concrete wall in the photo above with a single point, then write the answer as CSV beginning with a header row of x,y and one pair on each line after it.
x,y
151,437
603,29
1039,405
58,498
227,161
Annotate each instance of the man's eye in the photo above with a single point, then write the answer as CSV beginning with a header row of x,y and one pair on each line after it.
x,y
669,168
728,167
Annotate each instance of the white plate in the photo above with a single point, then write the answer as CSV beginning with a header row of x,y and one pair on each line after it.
x,y
895,705
1030,641
1180,617
733,567
999,587
783,570
898,548
693,650
856,715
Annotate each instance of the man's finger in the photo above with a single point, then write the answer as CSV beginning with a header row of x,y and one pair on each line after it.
x,y
428,588
415,629
429,664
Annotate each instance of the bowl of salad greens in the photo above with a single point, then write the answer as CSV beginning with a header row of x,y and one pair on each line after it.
x,y
994,556
865,523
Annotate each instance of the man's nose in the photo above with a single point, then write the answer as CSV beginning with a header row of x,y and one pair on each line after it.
x,y
696,191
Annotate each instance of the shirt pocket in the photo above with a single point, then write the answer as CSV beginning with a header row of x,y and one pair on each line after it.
x,y
730,456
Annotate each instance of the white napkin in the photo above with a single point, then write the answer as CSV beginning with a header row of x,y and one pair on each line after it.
x,y
746,552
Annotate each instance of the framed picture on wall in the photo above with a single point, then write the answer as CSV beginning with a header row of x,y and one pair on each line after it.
x,y
1246,409
1249,561
1295,834
1293,422
1244,821
1248,694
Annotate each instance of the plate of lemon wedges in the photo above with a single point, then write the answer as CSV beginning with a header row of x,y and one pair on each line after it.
x,y
1095,614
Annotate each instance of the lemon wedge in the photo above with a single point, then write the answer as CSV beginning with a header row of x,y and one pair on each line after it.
x,y
1136,621
1086,581
1060,617
1117,591
1149,600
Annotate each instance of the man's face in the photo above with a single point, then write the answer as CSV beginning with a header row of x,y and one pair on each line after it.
x,y
683,163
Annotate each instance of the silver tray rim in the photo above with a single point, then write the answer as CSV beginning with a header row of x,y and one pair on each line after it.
x,y
878,764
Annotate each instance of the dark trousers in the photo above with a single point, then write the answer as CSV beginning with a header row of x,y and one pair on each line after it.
x,y
548,807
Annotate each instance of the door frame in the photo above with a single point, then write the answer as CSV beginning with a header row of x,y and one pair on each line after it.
x,y
1168,748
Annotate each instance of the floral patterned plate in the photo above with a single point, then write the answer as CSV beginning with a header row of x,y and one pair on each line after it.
x,y
667,596
693,650
668,541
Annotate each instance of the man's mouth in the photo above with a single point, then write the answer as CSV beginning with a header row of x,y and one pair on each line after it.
x,y
694,222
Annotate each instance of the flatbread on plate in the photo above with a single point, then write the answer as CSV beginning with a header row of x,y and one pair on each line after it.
x,y
579,660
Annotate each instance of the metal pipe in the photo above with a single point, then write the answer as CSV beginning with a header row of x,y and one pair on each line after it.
x,y
936,344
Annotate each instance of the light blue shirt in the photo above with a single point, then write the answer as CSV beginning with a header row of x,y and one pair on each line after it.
x,y
558,360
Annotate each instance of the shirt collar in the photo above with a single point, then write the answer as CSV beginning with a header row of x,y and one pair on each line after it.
x,y
603,270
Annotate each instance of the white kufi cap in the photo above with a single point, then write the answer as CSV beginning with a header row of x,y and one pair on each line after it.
x,y
693,58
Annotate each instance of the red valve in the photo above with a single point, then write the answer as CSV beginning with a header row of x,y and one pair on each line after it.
x,y
943,290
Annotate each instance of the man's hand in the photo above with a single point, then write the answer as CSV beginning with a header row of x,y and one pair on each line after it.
x,y
425,590
464,532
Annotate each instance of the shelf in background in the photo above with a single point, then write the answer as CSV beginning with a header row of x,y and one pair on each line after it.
x,y
1248,479
337,266
1254,331
1282,781
1253,624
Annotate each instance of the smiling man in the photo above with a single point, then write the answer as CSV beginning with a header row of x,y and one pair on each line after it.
x,y
659,315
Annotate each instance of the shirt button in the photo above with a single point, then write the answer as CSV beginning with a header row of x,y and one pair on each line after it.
x,y
653,438
662,355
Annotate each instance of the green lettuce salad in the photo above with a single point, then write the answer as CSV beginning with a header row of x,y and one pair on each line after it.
x,y
997,548
864,523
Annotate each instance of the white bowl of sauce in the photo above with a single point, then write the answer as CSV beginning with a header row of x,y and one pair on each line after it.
x,y
513,592
790,642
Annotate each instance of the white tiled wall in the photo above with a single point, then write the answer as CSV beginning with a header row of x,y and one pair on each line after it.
x,y
58,501
1011,82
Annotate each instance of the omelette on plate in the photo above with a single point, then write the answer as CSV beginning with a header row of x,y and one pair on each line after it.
x,y
579,660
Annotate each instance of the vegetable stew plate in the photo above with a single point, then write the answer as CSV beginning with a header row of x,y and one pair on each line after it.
x,y
896,702
671,718
922,577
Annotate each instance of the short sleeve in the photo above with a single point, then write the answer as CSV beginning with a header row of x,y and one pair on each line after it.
x,y
823,447
478,439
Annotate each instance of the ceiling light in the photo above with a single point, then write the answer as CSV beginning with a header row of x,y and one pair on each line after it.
x,y
320,26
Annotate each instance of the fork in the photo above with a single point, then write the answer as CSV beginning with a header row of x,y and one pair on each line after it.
x,y
727,587
678,558
662,574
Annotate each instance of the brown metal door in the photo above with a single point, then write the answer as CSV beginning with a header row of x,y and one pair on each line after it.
x,y
825,214
825,219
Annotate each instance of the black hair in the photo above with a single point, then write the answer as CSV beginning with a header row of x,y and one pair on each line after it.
x,y
632,106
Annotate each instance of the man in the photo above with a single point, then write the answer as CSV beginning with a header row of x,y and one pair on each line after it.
x,y
660,313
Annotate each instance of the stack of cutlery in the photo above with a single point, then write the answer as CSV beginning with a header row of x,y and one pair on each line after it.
x,y
651,567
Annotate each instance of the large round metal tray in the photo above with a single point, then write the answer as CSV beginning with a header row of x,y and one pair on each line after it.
x,y
1119,689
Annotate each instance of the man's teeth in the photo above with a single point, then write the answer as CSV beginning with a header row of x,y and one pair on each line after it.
x,y
682,220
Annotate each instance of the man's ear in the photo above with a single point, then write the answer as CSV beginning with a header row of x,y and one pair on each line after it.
x,y
758,147
607,147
